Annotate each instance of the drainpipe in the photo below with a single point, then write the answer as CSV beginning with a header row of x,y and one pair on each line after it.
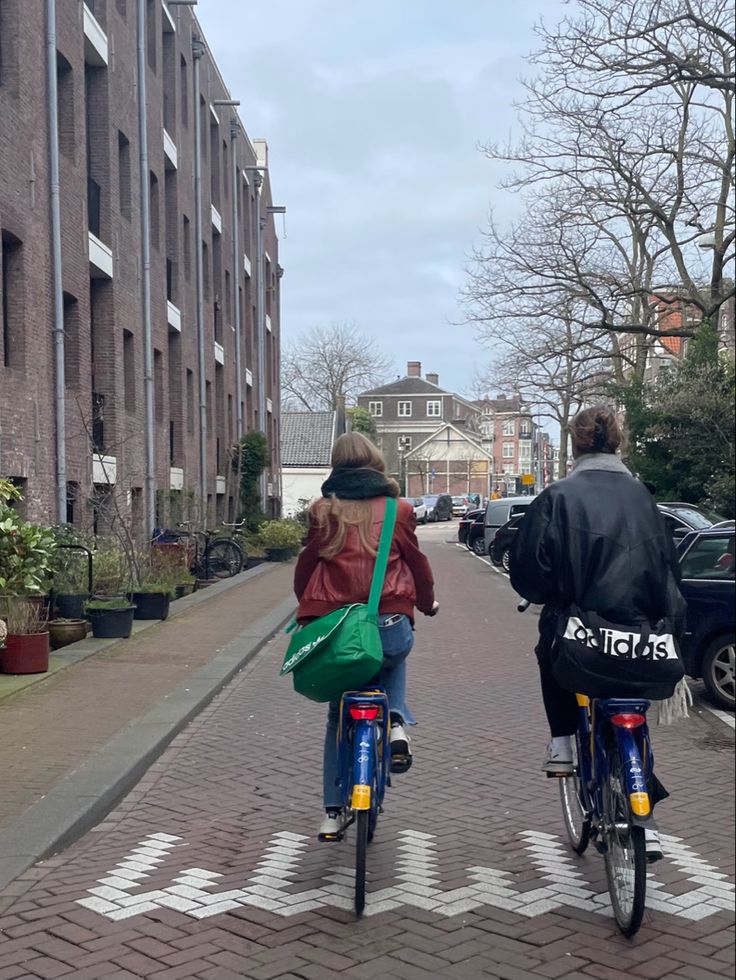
x,y
149,476
260,322
55,205
237,270
197,55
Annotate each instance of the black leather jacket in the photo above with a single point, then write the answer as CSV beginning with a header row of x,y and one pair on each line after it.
x,y
597,539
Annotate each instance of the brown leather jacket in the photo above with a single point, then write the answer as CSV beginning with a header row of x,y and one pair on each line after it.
x,y
322,585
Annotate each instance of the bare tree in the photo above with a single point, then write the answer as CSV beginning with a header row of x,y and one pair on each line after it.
x,y
328,362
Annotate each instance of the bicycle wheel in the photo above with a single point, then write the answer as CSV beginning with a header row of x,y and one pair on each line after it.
x,y
577,819
224,558
362,823
625,855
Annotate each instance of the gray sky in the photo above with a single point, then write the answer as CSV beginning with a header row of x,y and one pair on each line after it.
x,y
373,112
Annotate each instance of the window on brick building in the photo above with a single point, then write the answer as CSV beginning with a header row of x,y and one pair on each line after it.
x,y
175,393
158,386
434,409
215,164
509,427
508,450
190,401
12,299
151,32
155,211
168,43
73,514
375,409
98,8
228,298
9,26
508,469
124,195
225,170
525,450
184,92
206,272
65,106
187,247
122,8
72,350
404,409
129,379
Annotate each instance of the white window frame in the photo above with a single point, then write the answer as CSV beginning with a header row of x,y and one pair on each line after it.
x,y
525,450
375,409
525,432
509,450
434,408
401,410
509,427
403,444
508,469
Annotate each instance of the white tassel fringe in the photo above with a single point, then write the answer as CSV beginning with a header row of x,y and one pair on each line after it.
x,y
675,707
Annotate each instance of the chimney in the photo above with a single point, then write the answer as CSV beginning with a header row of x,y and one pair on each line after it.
x,y
414,369
434,379
340,416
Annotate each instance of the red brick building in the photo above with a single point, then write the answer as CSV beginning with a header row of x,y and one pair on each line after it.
x,y
212,376
510,431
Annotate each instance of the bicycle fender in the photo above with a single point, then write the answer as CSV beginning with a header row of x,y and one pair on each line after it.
x,y
363,765
636,780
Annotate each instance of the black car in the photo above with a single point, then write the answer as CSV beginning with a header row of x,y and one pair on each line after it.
x,y
468,528
439,506
682,518
503,541
707,566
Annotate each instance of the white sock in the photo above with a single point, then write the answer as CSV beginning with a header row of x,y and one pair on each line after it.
x,y
562,743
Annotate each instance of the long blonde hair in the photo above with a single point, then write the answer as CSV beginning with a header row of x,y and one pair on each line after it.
x,y
334,515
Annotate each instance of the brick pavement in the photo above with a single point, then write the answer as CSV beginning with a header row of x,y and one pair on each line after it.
x,y
219,829
51,728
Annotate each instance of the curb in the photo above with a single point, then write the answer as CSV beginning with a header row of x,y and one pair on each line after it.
x,y
84,797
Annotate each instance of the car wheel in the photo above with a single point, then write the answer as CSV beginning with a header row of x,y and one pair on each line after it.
x,y
719,661
506,560
478,546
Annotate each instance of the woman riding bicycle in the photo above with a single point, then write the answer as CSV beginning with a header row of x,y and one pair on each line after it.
x,y
596,542
335,569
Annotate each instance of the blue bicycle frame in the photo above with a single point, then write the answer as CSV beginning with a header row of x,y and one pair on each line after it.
x,y
363,749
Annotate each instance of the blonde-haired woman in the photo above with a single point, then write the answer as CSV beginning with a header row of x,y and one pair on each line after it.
x,y
335,569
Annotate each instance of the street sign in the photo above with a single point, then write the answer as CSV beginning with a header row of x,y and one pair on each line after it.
x,y
527,479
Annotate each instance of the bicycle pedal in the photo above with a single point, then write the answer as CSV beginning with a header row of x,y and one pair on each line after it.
x,y
330,838
559,775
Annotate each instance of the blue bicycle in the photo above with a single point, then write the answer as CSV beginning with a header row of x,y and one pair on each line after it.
x,y
607,798
364,759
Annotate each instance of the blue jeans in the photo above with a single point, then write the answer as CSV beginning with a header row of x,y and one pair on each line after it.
x,y
397,641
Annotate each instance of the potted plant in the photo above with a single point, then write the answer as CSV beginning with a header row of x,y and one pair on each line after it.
x,y
151,600
26,550
62,632
71,571
26,648
111,617
169,567
281,539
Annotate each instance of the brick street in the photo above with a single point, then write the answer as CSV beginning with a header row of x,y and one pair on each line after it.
x,y
209,869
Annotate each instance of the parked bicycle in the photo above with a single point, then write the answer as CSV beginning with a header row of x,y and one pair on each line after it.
x,y
210,554
606,800
364,759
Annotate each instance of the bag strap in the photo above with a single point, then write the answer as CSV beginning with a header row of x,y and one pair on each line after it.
x,y
384,547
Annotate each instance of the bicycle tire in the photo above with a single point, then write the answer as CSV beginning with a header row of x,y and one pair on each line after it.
x,y
362,821
577,822
625,855
224,558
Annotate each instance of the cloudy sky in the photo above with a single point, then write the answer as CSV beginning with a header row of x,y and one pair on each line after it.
x,y
373,113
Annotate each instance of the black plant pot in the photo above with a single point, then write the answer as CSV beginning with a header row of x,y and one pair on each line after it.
x,y
70,605
150,605
254,562
279,554
111,624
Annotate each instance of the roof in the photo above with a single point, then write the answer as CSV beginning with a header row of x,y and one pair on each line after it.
x,y
406,386
462,433
502,405
307,438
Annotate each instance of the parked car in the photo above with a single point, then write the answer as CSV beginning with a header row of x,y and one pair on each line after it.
x,y
707,566
498,512
461,506
470,520
439,506
503,541
420,508
682,518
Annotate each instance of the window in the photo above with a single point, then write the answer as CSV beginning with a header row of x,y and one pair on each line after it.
x,y
12,298
184,92
526,468
65,106
129,370
525,430
404,444
151,33
404,409
124,174
525,450
190,401
187,247
509,427
71,340
155,211
508,469
375,409
508,450
434,409
712,557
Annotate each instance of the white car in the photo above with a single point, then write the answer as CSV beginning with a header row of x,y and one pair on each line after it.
x,y
420,509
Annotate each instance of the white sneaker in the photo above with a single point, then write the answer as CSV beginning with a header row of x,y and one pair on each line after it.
x,y
558,760
653,845
401,757
331,827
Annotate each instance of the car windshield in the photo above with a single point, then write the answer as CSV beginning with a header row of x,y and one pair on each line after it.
x,y
430,500
418,502
696,518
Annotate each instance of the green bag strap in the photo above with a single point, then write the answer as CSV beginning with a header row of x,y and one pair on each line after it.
x,y
384,547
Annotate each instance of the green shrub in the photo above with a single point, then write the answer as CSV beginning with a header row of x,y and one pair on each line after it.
x,y
281,534
26,550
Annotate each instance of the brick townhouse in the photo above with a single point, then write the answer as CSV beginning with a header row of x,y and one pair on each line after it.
x,y
509,429
214,281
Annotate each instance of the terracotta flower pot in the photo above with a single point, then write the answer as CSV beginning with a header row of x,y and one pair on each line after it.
x,y
26,654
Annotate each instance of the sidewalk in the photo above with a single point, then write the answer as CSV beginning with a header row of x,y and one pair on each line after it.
x,y
73,743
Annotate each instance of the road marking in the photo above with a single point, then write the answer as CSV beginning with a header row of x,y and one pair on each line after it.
x,y
417,883
723,716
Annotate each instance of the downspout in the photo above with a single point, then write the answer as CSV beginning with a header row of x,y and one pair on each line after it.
x,y
197,54
260,323
56,273
237,269
149,475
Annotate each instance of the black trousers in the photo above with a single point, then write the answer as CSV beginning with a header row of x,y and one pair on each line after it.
x,y
560,705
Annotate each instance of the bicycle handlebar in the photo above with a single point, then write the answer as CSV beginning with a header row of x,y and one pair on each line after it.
x,y
239,524
523,605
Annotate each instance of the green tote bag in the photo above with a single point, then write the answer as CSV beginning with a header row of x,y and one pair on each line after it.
x,y
342,650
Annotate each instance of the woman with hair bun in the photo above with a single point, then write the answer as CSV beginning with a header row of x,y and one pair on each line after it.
x,y
335,569
593,548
